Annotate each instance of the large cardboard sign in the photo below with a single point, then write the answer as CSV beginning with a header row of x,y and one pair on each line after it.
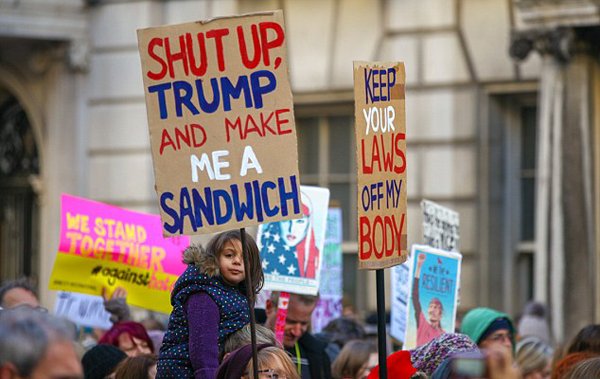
x,y
381,163
440,226
329,306
435,279
86,310
291,250
106,246
221,121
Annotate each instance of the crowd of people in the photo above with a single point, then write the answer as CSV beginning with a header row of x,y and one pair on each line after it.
x,y
209,336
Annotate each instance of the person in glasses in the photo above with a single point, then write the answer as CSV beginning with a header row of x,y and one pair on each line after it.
x,y
273,363
489,327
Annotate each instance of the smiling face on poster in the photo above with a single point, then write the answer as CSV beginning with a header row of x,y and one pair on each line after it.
x,y
291,249
434,293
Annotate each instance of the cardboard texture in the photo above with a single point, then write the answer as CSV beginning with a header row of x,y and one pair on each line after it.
x,y
221,120
105,246
381,163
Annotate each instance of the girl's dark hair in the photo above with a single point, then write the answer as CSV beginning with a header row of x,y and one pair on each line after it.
x,y
135,367
588,339
217,244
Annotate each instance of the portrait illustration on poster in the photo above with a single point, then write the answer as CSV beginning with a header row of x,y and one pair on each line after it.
x,y
291,249
433,297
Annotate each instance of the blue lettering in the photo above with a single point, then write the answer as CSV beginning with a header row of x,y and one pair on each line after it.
x,y
259,213
202,207
257,90
292,195
177,224
270,212
219,216
185,209
231,91
206,106
243,208
185,99
162,103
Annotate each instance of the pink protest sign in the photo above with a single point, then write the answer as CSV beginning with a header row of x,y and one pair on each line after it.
x,y
106,246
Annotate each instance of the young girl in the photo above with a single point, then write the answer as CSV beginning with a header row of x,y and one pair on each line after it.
x,y
209,303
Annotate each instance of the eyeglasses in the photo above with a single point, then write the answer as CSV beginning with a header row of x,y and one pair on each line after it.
x,y
266,374
501,337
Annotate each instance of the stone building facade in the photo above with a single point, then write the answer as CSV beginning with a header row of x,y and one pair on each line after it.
x,y
482,130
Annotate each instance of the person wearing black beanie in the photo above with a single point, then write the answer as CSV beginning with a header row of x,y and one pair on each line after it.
x,y
101,361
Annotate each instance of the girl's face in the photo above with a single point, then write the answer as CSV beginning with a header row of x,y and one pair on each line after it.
x,y
231,263
294,231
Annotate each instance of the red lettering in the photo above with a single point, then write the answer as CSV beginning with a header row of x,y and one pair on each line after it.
x,y
180,136
281,122
365,237
378,221
180,56
400,153
265,43
389,250
398,232
198,127
375,154
244,50
388,158
218,35
197,70
166,141
265,123
237,124
366,169
247,130
161,74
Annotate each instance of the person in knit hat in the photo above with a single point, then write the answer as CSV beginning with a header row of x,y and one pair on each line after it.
x,y
428,357
534,323
488,327
101,361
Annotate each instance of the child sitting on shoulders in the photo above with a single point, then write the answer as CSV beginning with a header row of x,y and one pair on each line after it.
x,y
209,303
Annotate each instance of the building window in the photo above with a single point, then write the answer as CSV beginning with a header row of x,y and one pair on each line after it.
x,y
512,180
327,158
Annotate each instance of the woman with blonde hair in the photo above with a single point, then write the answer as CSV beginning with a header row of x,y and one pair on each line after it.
x,y
355,361
273,363
534,358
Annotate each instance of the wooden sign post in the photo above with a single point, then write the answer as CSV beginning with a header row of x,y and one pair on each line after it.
x,y
222,129
381,163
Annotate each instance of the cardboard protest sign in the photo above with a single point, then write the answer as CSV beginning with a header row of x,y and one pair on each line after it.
x,y
381,163
435,279
440,226
400,294
106,246
291,250
221,121
329,306
86,310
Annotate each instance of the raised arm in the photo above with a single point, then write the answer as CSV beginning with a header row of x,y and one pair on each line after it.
x,y
415,289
